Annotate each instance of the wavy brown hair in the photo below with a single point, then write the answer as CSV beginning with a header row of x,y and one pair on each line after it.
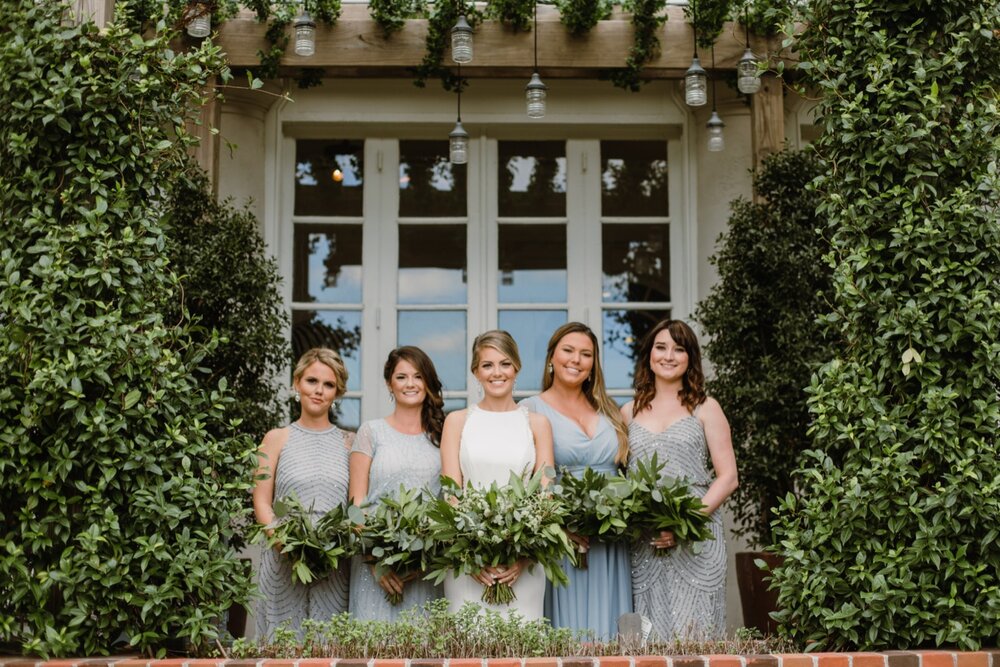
x,y
692,392
593,387
432,411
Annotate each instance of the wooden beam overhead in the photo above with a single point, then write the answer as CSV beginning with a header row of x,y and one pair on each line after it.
x,y
355,45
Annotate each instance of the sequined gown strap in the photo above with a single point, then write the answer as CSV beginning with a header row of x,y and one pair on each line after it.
x,y
683,593
312,466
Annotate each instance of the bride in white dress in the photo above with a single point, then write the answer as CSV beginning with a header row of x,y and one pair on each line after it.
x,y
482,445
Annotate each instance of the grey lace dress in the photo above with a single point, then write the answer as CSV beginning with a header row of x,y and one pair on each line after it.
x,y
683,593
398,459
312,466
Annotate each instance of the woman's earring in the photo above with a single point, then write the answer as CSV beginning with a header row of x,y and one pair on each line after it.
x,y
551,369
479,389
392,397
296,396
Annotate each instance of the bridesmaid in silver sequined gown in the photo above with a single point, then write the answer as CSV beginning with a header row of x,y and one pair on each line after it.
x,y
400,450
307,458
683,592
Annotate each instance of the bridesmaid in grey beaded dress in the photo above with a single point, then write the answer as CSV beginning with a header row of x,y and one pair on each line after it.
x,y
307,458
400,450
682,592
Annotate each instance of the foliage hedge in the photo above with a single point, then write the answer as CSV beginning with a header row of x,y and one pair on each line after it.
x,y
116,504
765,338
894,542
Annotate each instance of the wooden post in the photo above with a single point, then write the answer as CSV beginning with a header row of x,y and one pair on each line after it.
x,y
767,119
98,11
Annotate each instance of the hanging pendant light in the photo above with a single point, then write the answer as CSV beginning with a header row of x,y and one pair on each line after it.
x,y
716,142
461,41
695,78
458,139
748,80
200,21
536,91
305,35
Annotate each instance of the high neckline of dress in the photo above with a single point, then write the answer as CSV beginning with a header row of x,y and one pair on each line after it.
x,y
318,431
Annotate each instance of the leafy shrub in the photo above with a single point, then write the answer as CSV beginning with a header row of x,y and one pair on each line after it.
x,y
116,502
765,338
893,543
230,287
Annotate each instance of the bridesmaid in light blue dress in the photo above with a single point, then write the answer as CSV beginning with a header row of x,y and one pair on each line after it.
x,y
399,450
587,431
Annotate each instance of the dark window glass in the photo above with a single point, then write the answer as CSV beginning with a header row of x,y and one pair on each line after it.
x,y
635,262
429,184
532,178
532,263
327,263
432,266
634,178
329,177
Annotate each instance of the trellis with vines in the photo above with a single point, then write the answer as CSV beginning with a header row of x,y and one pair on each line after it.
x,y
578,16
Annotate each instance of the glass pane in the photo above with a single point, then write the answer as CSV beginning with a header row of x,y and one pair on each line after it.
x,y
347,413
328,177
623,332
429,184
441,334
532,330
635,262
432,266
532,263
327,264
532,178
452,404
339,330
634,178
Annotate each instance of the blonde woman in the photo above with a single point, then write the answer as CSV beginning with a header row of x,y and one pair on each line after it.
x,y
587,432
484,444
307,458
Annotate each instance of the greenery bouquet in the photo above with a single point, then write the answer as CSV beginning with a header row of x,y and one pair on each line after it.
x,y
398,536
314,546
600,506
498,525
665,504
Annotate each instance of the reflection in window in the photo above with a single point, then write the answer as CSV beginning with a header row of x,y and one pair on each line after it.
x,y
339,330
328,177
442,335
432,267
532,179
429,184
532,260
327,263
531,330
635,262
623,333
634,178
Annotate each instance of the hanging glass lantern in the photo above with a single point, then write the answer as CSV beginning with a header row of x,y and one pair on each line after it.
x,y
200,24
748,80
695,84
535,93
461,41
305,35
716,142
458,145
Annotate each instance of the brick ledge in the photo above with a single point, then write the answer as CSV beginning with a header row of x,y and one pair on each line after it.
x,y
985,658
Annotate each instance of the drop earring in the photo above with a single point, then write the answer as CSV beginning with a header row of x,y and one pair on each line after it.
x,y
296,396
551,369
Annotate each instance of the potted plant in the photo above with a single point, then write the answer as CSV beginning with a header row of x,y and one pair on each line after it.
x,y
765,341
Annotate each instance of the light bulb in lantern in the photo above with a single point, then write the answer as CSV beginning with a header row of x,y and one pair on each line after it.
x,y
200,24
748,80
695,84
305,35
535,93
461,41
716,142
458,145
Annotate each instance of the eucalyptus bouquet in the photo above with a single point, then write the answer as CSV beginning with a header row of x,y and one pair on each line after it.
x,y
398,536
600,506
314,546
498,525
666,504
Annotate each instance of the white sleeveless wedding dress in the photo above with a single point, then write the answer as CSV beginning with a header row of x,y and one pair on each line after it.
x,y
494,444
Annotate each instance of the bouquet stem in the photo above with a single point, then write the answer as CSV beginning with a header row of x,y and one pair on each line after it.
x,y
582,562
498,593
394,598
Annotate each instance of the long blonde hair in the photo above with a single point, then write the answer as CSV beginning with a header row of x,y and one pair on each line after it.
x,y
593,387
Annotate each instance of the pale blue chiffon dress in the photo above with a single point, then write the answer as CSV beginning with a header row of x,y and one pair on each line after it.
x,y
597,596
398,459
